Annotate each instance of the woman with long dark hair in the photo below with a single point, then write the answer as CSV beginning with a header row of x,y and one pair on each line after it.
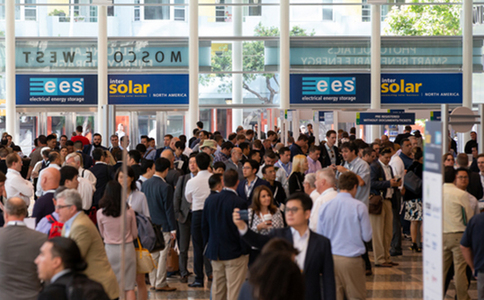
x,y
109,223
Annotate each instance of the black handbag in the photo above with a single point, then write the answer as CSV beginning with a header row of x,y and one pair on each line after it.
x,y
412,182
160,240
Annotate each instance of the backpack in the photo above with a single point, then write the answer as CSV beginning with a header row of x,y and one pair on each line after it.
x,y
149,234
55,228
83,288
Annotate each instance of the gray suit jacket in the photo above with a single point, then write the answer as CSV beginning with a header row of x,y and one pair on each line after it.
x,y
229,164
172,177
180,203
19,246
159,196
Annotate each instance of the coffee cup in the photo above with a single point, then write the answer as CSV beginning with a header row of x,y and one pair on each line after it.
x,y
267,218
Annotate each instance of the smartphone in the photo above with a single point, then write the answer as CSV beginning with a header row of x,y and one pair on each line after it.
x,y
399,179
244,215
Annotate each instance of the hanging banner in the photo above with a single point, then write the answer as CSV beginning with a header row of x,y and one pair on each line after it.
x,y
421,88
56,89
379,118
333,89
155,89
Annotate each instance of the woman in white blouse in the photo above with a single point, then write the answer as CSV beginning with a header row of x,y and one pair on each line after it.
x,y
264,216
137,201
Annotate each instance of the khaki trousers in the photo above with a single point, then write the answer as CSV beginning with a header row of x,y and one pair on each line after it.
x,y
382,226
228,277
350,277
158,275
453,253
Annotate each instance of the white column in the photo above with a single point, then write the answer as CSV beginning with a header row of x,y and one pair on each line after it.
x,y
284,46
374,131
102,74
467,45
237,65
11,113
193,108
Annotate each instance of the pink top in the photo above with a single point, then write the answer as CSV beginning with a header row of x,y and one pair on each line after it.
x,y
110,227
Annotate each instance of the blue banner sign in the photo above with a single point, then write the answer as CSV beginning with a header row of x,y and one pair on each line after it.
x,y
169,89
332,89
421,88
380,118
56,89
321,116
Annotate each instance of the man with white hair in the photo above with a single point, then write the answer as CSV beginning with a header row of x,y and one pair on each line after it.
x,y
85,186
82,230
325,185
75,159
309,185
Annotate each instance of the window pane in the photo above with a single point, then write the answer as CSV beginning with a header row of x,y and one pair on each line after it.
x,y
157,12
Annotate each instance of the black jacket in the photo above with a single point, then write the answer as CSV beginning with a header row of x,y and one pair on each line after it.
x,y
324,157
416,168
295,182
318,265
475,185
278,193
58,289
379,184
103,174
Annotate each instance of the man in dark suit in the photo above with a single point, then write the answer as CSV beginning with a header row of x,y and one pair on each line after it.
x,y
44,205
103,174
60,263
159,196
86,159
223,245
183,216
96,143
246,188
19,246
329,152
475,186
383,183
314,259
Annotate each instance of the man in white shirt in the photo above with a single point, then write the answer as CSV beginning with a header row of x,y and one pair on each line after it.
x,y
72,180
74,159
325,185
196,192
309,185
54,162
16,185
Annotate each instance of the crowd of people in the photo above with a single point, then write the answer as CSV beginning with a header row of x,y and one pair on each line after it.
x,y
266,220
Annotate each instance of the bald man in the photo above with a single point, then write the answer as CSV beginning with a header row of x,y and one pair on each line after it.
x,y
45,205
173,174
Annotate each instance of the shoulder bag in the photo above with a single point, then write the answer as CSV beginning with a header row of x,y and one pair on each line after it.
x,y
375,204
412,182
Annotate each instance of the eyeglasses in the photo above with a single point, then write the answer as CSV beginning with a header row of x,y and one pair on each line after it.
x,y
62,206
291,209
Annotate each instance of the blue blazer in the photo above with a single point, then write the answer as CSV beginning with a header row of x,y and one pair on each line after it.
x,y
43,206
318,265
159,196
241,189
220,235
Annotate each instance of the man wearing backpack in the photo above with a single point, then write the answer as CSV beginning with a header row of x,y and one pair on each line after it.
x,y
60,263
50,224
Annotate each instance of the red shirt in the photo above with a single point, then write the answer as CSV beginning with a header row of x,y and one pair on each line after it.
x,y
81,138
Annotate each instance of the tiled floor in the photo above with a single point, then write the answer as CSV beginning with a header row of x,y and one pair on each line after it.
x,y
400,282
